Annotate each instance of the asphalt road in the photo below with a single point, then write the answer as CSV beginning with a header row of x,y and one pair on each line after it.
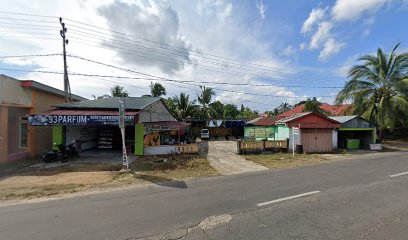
x,y
347,199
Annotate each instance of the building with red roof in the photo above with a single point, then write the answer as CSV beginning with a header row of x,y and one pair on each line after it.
x,y
332,110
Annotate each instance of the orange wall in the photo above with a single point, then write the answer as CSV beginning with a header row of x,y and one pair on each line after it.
x,y
40,138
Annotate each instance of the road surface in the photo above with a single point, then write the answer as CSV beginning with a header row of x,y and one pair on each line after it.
x,y
365,198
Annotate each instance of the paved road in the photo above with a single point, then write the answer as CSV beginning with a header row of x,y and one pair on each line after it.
x,y
348,199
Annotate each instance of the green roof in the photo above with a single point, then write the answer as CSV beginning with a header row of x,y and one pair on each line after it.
x,y
135,103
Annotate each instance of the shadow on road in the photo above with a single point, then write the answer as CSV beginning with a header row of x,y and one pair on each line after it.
x,y
163,181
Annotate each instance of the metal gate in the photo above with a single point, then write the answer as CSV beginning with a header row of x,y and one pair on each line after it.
x,y
316,140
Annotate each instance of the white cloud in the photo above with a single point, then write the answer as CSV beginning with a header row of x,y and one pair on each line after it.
x,y
262,8
289,51
156,22
347,10
302,46
330,48
321,35
315,16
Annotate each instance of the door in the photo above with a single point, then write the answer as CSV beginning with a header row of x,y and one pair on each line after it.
x,y
316,140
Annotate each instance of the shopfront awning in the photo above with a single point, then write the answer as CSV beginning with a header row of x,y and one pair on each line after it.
x,y
67,117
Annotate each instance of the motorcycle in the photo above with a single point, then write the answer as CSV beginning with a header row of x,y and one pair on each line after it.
x,y
62,153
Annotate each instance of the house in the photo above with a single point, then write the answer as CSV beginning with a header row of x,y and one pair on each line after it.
x,y
17,100
332,110
262,128
150,127
355,132
316,133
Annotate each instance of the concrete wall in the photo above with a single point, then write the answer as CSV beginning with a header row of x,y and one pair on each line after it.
x,y
291,139
155,112
335,138
11,92
42,136
282,132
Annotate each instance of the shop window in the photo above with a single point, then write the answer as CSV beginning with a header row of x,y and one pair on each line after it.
x,y
23,133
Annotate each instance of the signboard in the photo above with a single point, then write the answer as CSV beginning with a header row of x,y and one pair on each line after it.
x,y
259,133
72,120
295,130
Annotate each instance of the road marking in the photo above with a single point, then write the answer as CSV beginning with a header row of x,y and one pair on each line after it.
x,y
399,174
287,198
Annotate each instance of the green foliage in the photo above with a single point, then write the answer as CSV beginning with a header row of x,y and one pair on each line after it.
x,y
312,105
157,90
248,114
217,109
378,89
181,106
230,111
118,91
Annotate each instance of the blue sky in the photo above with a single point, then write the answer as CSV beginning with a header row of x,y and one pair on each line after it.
x,y
298,46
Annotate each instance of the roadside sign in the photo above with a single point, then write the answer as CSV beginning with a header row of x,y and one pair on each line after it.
x,y
295,130
122,130
121,114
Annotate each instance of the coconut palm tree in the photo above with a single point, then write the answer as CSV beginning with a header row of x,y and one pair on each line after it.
x,y
284,107
118,91
157,90
204,98
378,89
183,106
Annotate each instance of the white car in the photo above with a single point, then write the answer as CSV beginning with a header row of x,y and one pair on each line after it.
x,y
205,134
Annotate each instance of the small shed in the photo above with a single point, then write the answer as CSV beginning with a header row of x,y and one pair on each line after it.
x,y
355,132
317,133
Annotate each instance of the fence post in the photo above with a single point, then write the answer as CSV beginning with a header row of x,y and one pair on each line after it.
x,y
239,146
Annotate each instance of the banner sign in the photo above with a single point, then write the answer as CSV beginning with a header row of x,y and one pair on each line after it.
x,y
259,133
72,120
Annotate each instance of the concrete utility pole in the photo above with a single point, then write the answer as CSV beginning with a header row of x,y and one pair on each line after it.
x,y
67,87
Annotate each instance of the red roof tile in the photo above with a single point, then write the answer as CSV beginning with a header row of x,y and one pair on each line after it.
x,y
333,110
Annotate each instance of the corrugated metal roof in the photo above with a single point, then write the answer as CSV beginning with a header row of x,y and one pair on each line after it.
x,y
67,112
343,119
263,121
292,117
135,103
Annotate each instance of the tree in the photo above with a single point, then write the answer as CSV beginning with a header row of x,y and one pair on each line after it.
x,y
313,105
378,89
216,109
248,114
118,91
284,107
204,98
230,111
157,90
184,107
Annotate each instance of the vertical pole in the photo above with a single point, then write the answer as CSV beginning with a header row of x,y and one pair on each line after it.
x,y
293,142
67,88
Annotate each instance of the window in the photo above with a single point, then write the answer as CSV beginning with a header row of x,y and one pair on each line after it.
x,y
23,133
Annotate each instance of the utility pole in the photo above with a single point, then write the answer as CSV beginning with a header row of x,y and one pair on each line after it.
x,y
67,87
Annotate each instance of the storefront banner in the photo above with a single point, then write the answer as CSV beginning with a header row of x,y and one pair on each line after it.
x,y
259,133
71,120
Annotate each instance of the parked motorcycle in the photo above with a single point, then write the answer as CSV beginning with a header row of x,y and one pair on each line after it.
x,y
63,153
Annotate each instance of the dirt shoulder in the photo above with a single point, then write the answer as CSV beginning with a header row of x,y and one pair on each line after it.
x,y
285,160
25,181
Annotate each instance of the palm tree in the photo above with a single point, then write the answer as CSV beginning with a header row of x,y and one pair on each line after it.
x,y
183,106
378,89
157,90
284,107
204,98
118,91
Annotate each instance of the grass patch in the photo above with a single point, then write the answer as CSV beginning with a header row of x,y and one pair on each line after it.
x,y
34,182
285,160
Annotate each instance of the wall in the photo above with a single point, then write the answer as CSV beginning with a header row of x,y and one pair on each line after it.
x,y
41,137
334,138
11,92
14,118
155,112
282,132
296,139
3,134
313,121
357,123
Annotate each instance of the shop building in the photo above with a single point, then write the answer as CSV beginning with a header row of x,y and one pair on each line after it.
x,y
18,99
150,127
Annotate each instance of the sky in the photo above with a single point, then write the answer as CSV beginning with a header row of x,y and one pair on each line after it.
x,y
258,53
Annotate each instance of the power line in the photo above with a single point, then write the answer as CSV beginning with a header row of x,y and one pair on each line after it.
x,y
32,55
